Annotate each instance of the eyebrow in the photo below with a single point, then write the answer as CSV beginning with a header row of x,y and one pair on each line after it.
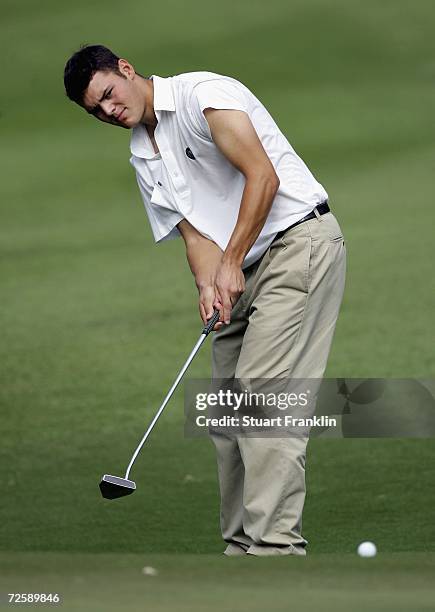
x,y
94,108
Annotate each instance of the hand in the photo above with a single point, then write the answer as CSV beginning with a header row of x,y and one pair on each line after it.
x,y
229,286
206,300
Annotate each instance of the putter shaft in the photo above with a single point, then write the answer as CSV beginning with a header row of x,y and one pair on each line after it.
x,y
207,329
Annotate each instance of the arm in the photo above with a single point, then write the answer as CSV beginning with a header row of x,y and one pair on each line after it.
x,y
204,257
235,136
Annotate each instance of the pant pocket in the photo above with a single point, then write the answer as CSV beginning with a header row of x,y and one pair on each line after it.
x,y
330,225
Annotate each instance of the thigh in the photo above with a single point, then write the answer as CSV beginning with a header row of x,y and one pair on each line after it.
x,y
227,342
276,311
295,305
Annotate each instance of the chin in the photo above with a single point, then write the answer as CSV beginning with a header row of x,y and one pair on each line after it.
x,y
132,124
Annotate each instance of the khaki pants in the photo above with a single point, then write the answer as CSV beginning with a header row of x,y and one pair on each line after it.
x,y
281,327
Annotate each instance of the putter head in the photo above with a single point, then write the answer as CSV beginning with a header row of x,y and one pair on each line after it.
x,y
112,487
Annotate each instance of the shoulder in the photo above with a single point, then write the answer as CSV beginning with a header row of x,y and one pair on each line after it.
x,y
195,78
195,82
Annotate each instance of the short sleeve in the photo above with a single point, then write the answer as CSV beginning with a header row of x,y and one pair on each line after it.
x,y
219,93
163,221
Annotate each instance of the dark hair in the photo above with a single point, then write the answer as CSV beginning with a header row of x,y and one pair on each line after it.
x,y
81,67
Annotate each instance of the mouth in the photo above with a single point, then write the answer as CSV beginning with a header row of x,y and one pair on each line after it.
x,y
120,114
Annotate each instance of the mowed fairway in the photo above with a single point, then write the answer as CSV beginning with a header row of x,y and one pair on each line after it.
x,y
96,320
109,583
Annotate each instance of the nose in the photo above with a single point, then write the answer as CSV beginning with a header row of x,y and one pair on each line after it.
x,y
108,107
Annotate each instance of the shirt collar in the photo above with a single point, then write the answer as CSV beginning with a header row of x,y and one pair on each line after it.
x,y
163,95
163,101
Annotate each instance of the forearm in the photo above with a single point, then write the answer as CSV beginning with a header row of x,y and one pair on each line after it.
x,y
256,203
204,259
203,255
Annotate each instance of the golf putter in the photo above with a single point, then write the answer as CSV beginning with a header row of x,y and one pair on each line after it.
x,y
112,487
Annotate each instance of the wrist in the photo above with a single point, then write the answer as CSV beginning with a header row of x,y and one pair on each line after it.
x,y
232,258
204,283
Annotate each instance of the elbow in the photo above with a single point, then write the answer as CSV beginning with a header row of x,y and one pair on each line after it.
x,y
268,180
272,181
275,182
266,183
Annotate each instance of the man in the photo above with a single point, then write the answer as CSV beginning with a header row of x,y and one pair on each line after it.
x,y
213,167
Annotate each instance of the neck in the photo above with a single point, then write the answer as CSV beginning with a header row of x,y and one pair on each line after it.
x,y
149,117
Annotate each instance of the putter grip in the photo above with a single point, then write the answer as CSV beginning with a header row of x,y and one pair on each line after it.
x,y
215,318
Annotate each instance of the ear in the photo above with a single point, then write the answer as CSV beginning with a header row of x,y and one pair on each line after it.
x,y
126,69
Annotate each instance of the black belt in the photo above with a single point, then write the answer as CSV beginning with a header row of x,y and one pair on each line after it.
x,y
322,209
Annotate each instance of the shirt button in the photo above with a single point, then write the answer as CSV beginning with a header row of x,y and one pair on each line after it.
x,y
159,183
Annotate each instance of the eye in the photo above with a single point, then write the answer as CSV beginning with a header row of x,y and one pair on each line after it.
x,y
109,93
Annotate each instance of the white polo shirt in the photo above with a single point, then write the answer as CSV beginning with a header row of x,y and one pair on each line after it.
x,y
190,178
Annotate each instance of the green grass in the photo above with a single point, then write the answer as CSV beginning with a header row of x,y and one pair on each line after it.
x,y
96,320
390,582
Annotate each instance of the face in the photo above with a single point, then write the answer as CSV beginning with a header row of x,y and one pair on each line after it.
x,y
114,99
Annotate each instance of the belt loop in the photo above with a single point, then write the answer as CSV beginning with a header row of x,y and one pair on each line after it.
x,y
316,212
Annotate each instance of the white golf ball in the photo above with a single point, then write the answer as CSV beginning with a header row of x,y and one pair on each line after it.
x,y
149,571
367,549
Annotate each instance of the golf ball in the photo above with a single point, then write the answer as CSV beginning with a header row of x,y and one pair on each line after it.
x,y
149,571
367,549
